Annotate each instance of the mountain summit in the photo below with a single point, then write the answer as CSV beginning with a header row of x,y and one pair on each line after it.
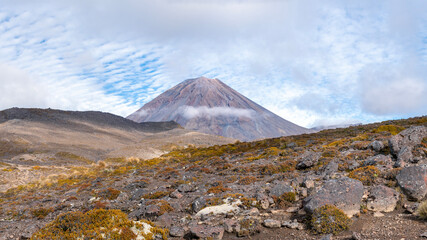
x,y
210,106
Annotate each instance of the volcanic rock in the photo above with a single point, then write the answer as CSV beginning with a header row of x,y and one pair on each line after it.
x,y
345,193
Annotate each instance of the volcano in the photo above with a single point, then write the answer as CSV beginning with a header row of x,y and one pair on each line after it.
x,y
210,106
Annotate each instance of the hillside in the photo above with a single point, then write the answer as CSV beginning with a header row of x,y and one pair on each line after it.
x,y
210,106
269,189
63,139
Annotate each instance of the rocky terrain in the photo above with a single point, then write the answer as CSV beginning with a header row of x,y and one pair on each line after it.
x,y
210,106
361,182
60,140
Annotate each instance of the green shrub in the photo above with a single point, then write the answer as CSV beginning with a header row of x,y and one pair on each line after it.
x,y
366,175
329,219
41,213
98,224
247,180
156,195
393,129
285,200
422,210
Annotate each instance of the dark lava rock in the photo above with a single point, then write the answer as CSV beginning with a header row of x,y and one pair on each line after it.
x,y
405,155
382,199
151,211
378,159
377,146
308,160
136,185
207,232
345,193
330,168
413,181
409,137
185,188
352,164
164,221
231,225
137,194
280,188
198,204
176,231
175,194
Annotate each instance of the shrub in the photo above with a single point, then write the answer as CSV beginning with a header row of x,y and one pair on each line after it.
x,y
247,180
285,200
163,205
422,210
168,173
366,175
41,213
393,129
219,188
109,193
271,169
98,224
329,219
156,195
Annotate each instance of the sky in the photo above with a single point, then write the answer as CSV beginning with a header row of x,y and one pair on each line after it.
x,y
311,62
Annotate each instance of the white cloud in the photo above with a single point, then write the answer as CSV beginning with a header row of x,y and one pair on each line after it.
x,y
190,112
397,90
305,60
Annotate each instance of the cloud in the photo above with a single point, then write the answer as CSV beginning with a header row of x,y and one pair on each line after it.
x,y
190,112
19,89
315,102
396,90
305,60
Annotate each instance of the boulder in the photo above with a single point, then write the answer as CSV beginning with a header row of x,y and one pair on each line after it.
x,y
413,181
272,223
176,194
307,160
409,137
229,207
330,168
198,204
280,188
185,188
164,221
293,224
308,183
377,146
262,198
231,225
207,232
345,193
176,231
405,155
352,164
138,193
378,160
327,237
382,199
151,211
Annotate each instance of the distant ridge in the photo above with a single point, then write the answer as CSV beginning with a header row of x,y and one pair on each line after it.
x,y
210,106
71,119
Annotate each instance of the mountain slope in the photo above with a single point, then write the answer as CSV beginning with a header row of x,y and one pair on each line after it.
x,y
92,135
210,106
59,140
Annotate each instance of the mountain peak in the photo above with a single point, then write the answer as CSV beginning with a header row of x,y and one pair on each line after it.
x,y
210,106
